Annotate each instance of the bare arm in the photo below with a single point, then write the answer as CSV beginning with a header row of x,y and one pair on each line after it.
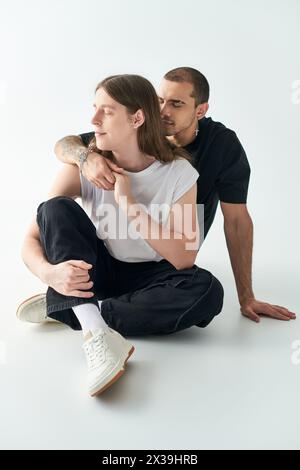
x,y
177,240
33,254
69,149
67,183
97,169
238,228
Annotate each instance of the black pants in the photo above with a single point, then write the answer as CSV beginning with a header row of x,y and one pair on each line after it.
x,y
137,298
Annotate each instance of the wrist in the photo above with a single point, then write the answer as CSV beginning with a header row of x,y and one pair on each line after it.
x,y
86,156
130,202
82,157
44,272
125,203
246,298
76,155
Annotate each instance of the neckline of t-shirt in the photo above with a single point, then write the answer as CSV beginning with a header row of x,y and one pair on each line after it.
x,y
144,172
201,124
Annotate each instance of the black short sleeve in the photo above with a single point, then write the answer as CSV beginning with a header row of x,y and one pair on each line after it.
x,y
233,179
87,137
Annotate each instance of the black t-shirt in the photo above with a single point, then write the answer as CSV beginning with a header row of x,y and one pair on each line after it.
x,y
220,159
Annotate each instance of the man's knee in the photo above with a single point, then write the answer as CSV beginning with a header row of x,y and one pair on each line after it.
x,y
213,303
209,289
55,205
218,295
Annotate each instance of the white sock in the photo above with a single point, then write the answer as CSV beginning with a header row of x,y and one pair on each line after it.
x,y
89,317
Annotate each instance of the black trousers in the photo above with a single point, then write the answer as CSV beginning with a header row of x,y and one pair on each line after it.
x,y
141,298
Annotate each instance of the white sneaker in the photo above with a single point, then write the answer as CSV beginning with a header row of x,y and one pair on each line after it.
x,y
34,310
107,353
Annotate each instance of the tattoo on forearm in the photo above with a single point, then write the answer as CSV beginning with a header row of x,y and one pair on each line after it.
x,y
72,146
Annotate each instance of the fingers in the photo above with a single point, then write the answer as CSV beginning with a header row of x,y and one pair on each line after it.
x,y
279,316
102,175
82,285
106,177
102,183
274,312
77,289
80,264
79,278
285,311
106,184
114,167
82,294
248,312
119,175
80,275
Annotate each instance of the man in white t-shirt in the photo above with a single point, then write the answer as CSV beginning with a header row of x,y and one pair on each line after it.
x,y
108,286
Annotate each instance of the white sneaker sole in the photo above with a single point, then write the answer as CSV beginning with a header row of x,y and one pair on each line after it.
x,y
113,375
33,310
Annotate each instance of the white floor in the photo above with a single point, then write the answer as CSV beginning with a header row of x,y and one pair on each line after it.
x,y
232,385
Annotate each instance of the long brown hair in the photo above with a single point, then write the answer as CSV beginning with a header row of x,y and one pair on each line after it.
x,y
136,92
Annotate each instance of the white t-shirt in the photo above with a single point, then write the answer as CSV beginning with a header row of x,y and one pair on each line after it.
x,y
160,185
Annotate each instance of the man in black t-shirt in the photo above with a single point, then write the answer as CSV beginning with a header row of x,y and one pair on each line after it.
x,y
223,166
221,161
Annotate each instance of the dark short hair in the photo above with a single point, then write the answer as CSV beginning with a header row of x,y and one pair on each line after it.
x,y
193,76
